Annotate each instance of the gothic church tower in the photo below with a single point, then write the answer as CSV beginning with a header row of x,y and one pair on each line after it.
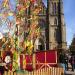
x,y
56,39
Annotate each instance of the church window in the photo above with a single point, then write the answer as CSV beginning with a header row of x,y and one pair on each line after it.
x,y
54,8
55,21
39,44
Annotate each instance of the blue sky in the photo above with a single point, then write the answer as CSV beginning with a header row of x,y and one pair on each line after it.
x,y
69,15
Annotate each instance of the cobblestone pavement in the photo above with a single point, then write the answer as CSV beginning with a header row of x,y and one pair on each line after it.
x,y
70,72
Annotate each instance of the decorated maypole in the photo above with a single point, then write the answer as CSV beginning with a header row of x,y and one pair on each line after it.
x,y
7,25
33,29
13,32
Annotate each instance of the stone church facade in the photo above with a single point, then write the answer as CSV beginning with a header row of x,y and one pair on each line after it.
x,y
53,29
56,25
